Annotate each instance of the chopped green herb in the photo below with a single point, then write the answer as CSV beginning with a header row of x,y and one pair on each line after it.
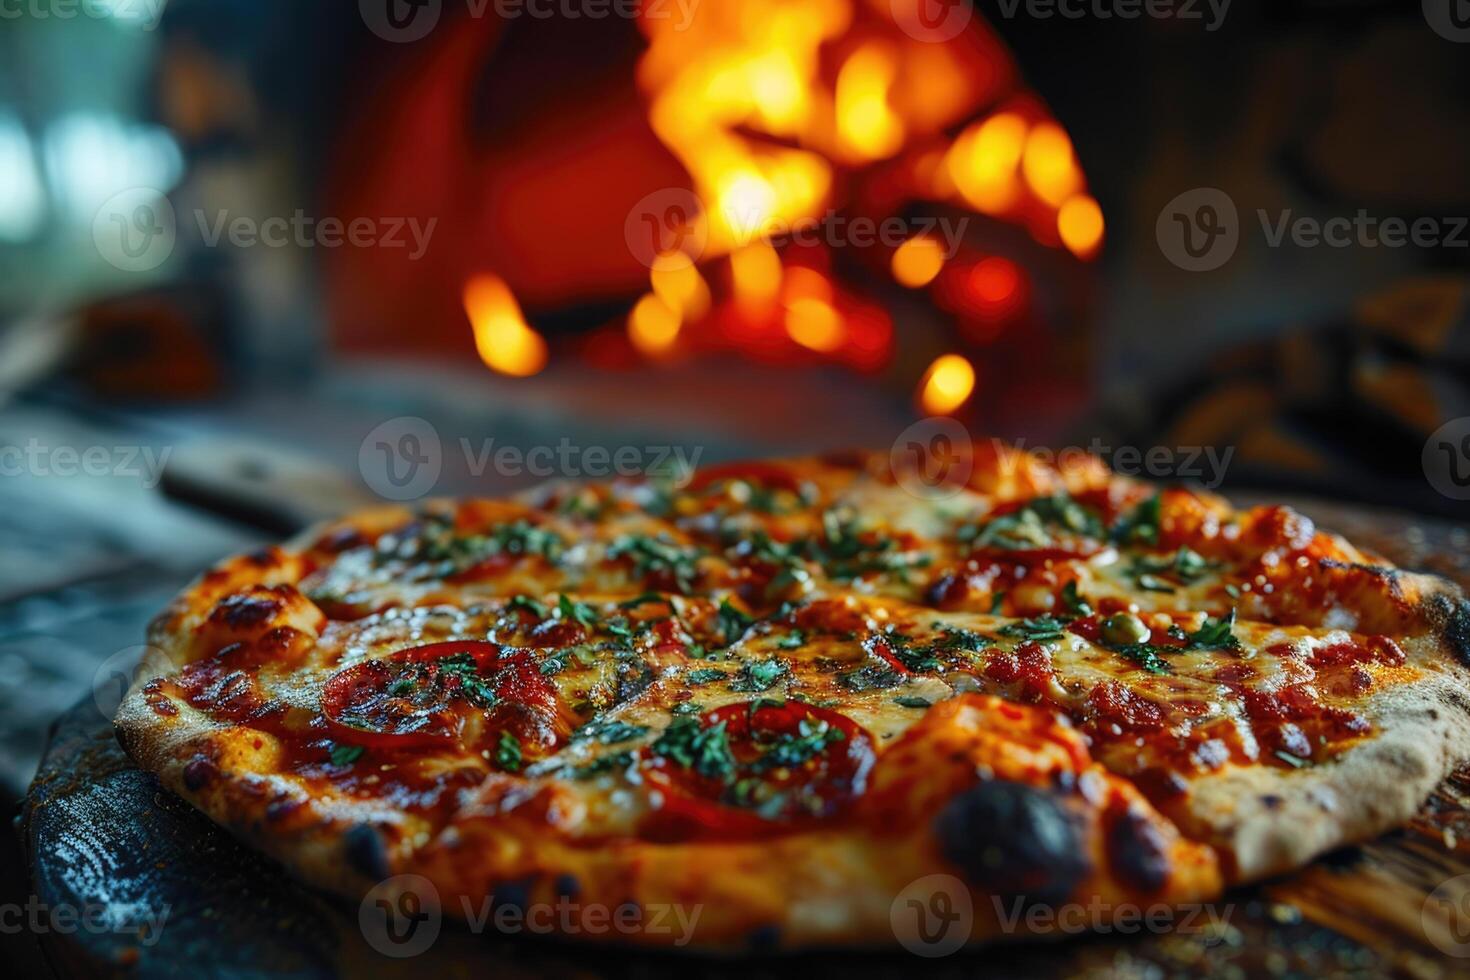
x,y
1030,525
733,622
689,744
1152,583
652,555
1141,525
707,675
436,549
609,732
847,553
758,675
525,602
792,640
873,677
639,600
789,751
603,764
1146,655
1074,603
471,684
1184,565
346,755
912,701
508,752
1215,634
1038,628
572,611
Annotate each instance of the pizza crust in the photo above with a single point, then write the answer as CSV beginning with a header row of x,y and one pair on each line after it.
x,y
1265,821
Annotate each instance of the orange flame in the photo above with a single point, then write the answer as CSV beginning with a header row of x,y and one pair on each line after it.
x,y
948,384
505,341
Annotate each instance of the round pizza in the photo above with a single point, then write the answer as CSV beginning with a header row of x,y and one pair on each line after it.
x,y
784,692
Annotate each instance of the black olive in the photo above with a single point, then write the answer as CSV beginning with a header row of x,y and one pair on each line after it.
x,y
1014,841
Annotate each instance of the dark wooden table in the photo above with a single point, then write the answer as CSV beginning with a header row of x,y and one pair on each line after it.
x,y
103,835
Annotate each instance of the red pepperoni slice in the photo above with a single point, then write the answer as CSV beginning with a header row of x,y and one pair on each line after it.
x,y
754,770
428,695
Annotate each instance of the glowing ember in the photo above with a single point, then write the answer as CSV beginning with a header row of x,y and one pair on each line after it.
x,y
678,283
948,384
994,281
1080,223
814,324
917,261
756,273
653,326
983,161
1049,165
505,341
869,127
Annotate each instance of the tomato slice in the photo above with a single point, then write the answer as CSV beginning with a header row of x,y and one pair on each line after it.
x,y
754,770
427,695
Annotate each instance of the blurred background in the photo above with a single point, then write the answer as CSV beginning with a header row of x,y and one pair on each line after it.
x,y
247,244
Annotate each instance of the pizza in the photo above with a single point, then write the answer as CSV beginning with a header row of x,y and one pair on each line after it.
x,y
785,691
